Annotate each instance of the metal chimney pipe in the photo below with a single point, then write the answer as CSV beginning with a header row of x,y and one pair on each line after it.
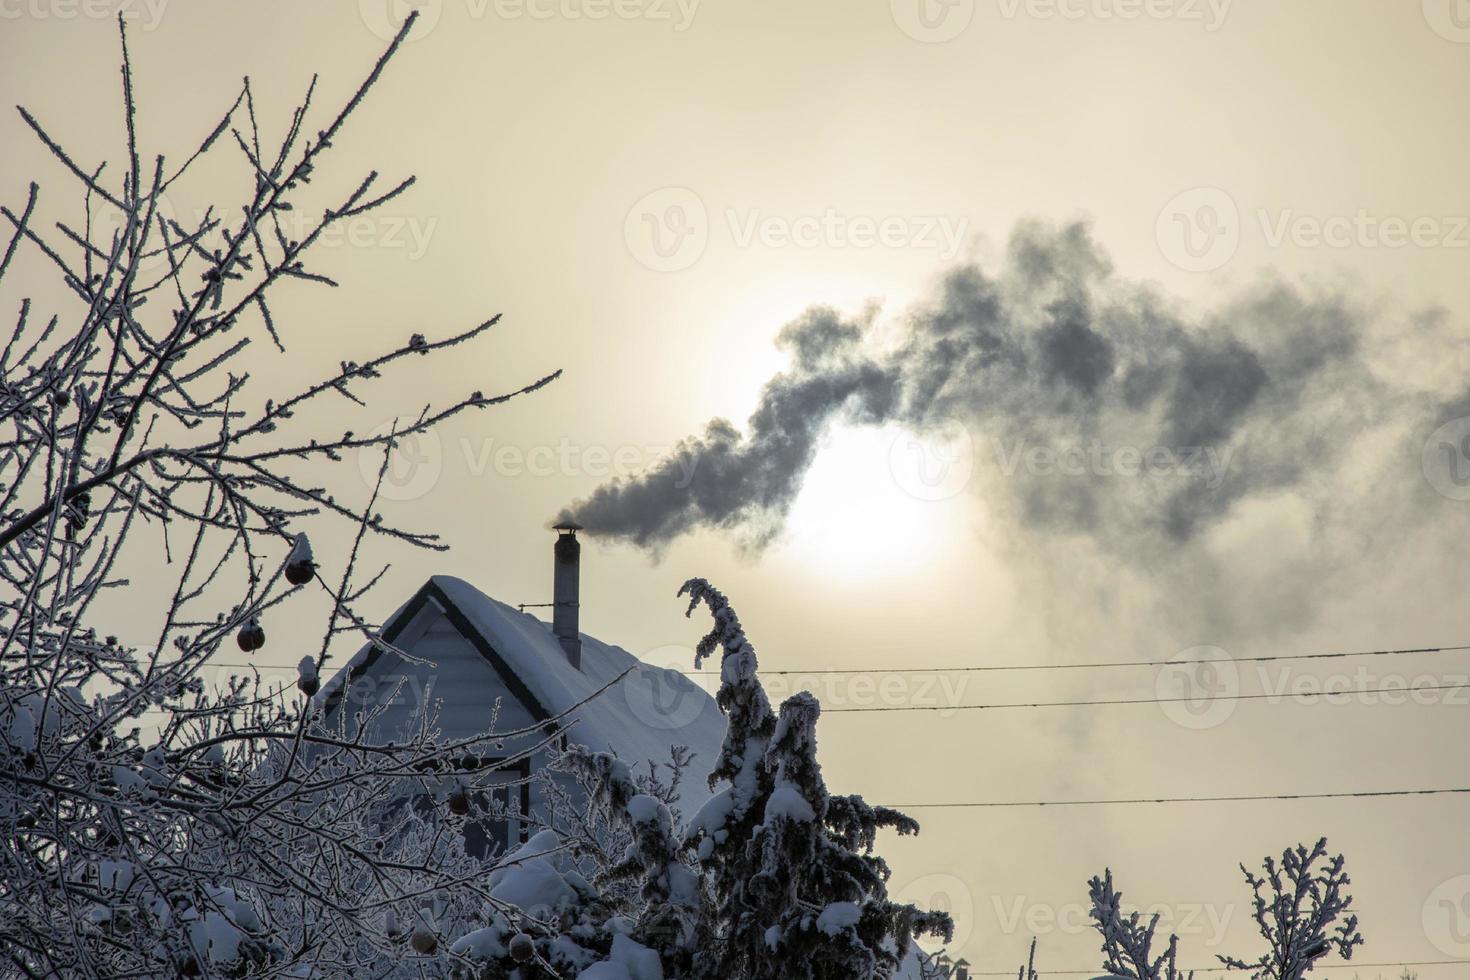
x,y
567,590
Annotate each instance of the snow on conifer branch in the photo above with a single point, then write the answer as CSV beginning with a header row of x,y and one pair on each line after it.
x,y
796,887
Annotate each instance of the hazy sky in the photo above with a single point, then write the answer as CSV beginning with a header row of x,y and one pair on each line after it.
x,y
650,190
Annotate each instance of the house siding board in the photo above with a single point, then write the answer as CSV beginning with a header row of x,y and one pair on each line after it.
x,y
453,683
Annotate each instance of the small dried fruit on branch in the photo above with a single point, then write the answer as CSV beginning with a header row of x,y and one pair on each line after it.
x,y
300,566
306,677
251,637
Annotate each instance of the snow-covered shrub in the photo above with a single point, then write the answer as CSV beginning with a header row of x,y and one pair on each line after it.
x,y
1128,943
669,893
1296,904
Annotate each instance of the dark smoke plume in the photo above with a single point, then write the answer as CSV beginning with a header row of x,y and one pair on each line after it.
x,y
1265,395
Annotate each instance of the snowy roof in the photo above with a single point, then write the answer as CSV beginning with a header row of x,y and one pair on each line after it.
x,y
638,717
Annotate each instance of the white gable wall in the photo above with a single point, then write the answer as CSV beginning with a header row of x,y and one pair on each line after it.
x,y
449,685
466,653
452,682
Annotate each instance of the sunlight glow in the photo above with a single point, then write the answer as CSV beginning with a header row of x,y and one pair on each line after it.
x,y
854,518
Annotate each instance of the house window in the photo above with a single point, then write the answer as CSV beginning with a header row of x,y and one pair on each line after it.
x,y
485,834
494,823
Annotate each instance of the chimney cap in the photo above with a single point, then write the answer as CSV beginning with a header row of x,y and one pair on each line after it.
x,y
572,526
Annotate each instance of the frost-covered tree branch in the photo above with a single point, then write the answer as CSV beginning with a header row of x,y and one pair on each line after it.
x,y
236,836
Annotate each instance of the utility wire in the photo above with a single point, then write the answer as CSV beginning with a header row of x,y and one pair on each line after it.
x,y
1335,655
1090,666
1106,702
1396,964
1207,698
1362,794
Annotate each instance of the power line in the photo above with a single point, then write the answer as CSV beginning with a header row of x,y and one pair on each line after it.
x,y
1395,964
1208,699
1332,655
1335,655
1362,794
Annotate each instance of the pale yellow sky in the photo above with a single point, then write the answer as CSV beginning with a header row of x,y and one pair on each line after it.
x,y
1326,138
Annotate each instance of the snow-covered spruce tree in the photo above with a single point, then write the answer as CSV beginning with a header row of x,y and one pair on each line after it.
x,y
795,887
152,822
1127,943
773,879
1296,905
